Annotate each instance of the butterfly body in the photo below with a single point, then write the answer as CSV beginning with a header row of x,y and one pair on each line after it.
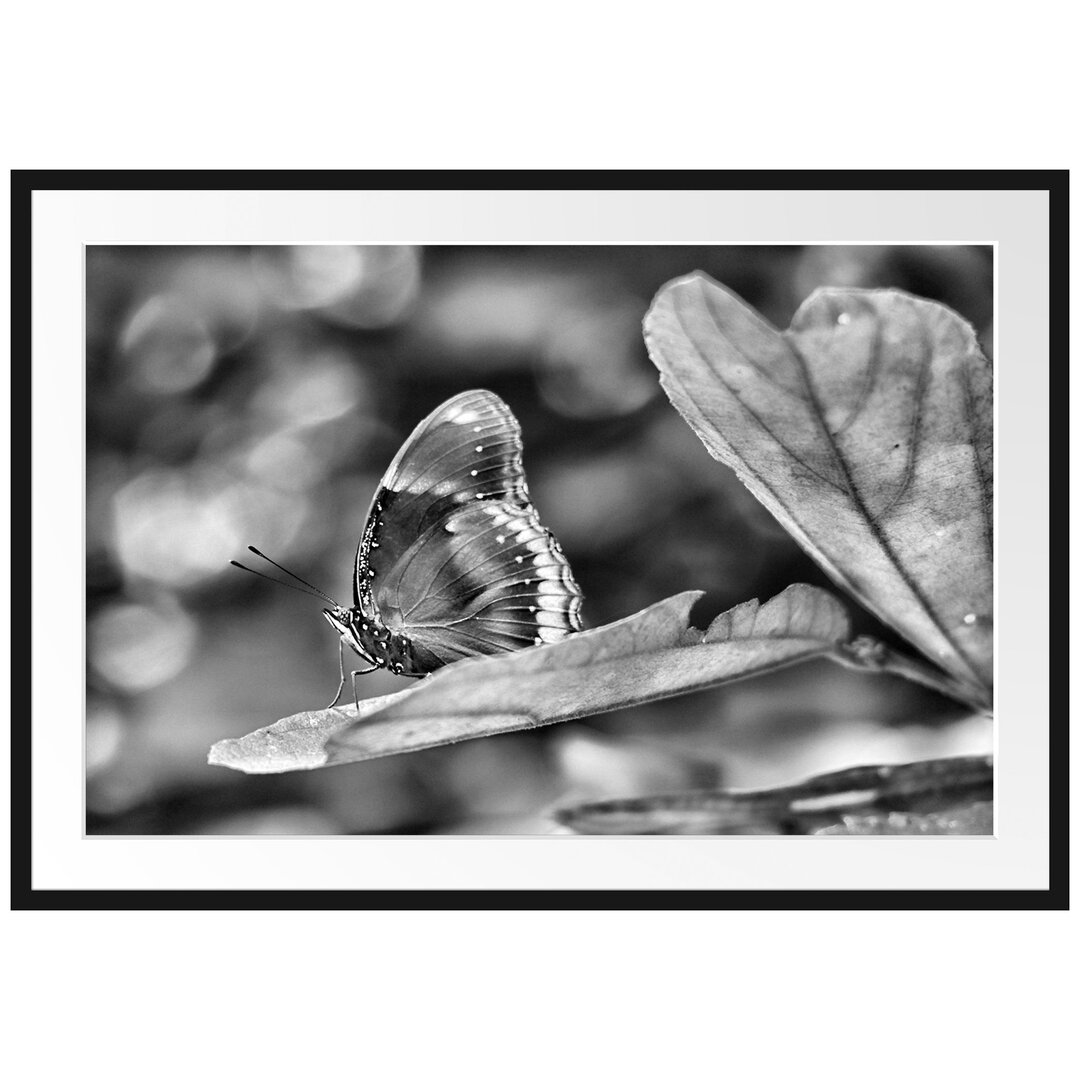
x,y
453,560
373,641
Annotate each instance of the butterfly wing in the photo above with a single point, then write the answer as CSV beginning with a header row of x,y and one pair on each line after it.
x,y
453,554
489,579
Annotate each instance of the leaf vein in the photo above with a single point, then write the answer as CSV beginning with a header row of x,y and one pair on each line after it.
x,y
881,537
753,414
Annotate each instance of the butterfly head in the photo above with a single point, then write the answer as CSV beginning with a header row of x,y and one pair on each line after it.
x,y
351,625
371,639
344,621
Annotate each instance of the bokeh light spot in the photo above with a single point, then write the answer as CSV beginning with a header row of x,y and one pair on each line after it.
x,y
491,309
324,388
285,461
168,346
384,291
104,736
180,530
136,647
307,276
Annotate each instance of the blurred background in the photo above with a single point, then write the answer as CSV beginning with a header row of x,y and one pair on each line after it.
x,y
243,396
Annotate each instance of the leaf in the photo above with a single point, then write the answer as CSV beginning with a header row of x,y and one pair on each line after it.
x,y
864,794
866,429
296,742
653,654
976,820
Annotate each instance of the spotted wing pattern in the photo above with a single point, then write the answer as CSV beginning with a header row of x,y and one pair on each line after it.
x,y
453,555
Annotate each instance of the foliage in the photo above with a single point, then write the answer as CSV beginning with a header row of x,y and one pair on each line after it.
x,y
866,429
653,654
922,797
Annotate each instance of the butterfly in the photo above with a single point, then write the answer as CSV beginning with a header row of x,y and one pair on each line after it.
x,y
453,561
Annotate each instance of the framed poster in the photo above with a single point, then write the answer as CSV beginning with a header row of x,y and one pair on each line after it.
x,y
685,498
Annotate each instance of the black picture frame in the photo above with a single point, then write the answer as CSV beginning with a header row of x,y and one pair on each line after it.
x,y
24,184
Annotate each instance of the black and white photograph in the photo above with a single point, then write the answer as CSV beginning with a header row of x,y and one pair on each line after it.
x,y
539,539
539,545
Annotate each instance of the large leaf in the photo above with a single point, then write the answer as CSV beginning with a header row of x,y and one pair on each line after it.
x,y
866,429
942,795
653,654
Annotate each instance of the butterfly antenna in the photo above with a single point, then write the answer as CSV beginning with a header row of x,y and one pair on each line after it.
x,y
267,577
307,584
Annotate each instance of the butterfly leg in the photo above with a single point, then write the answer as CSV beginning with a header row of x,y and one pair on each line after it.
x,y
341,668
341,684
363,671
